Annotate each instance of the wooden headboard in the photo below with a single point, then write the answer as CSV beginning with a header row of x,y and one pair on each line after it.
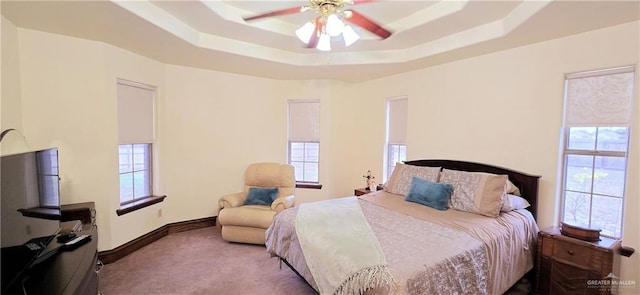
x,y
528,184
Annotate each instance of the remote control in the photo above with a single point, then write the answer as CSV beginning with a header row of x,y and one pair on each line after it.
x,y
78,241
66,237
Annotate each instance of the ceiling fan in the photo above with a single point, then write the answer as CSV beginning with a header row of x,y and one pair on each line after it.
x,y
330,22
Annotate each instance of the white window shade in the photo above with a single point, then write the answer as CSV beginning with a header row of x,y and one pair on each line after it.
x,y
304,121
397,121
600,98
135,113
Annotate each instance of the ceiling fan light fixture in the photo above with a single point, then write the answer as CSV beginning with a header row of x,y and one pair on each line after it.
x,y
331,20
324,43
349,35
304,33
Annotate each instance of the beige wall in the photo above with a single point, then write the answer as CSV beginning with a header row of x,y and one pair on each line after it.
x,y
503,108
11,103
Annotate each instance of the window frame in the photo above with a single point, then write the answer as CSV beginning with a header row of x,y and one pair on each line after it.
x,y
133,119
596,153
148,158
304,130
591,193
400,140
304,181
391,163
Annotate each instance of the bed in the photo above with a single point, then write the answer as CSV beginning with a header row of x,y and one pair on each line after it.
x,y
380,243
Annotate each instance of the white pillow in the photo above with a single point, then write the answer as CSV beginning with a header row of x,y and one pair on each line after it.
x,y
513,202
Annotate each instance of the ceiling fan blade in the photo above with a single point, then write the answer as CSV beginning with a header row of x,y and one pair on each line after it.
x,y
367,24
315,37
291,10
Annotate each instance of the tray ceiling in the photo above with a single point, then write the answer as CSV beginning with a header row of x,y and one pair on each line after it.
x,y
213,34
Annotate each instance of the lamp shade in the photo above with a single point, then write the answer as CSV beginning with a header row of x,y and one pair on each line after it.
x,y
304,32
349,35
334,26
324,43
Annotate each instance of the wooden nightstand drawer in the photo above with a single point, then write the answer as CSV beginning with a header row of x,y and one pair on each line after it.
x,y
571,252
568,279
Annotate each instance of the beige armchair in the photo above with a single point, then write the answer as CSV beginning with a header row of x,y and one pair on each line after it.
x,y
248,223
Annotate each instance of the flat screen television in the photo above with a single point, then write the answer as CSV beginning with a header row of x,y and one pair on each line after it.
x,y
30,212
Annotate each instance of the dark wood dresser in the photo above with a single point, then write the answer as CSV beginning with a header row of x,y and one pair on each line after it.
x,y
570,266
73,272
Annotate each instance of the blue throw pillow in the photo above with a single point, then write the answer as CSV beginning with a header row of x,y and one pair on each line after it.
x,y
261,196
432,194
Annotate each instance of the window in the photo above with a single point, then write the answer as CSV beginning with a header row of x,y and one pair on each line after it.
x,y
397,153
598,109
48,177
304,157
397,109
135,133
304,139
135,171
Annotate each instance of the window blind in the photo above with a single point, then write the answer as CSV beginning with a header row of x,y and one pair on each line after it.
x,y
599,98
135,112
397,110
304,120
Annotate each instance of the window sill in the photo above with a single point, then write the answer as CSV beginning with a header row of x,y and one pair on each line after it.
x,y
310,185
139,204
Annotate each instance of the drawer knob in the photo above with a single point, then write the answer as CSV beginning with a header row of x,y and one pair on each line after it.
x,y
570,252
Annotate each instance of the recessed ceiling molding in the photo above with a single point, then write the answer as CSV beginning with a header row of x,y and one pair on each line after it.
x,y
169,23
229,13
459,40
433,12
421,17
479,34
218,43
160,18
365,58
496,29
234,14
523,12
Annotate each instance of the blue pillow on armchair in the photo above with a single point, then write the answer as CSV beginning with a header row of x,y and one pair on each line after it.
x,y
432,194
261,196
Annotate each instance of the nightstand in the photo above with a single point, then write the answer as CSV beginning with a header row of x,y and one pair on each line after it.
x,y
570,266
361,191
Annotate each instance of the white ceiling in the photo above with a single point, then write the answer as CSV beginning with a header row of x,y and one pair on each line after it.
x,y
213,34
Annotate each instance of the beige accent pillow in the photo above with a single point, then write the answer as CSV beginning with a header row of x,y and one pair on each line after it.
x,y
402,175
476,192
512,188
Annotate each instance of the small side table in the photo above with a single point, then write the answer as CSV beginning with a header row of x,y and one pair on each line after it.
x,y
363,190
566,265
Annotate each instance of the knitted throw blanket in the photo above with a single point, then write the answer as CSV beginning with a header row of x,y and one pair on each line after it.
x,y
339,247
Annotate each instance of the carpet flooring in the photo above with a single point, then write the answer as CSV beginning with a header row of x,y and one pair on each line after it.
x,y
200,262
